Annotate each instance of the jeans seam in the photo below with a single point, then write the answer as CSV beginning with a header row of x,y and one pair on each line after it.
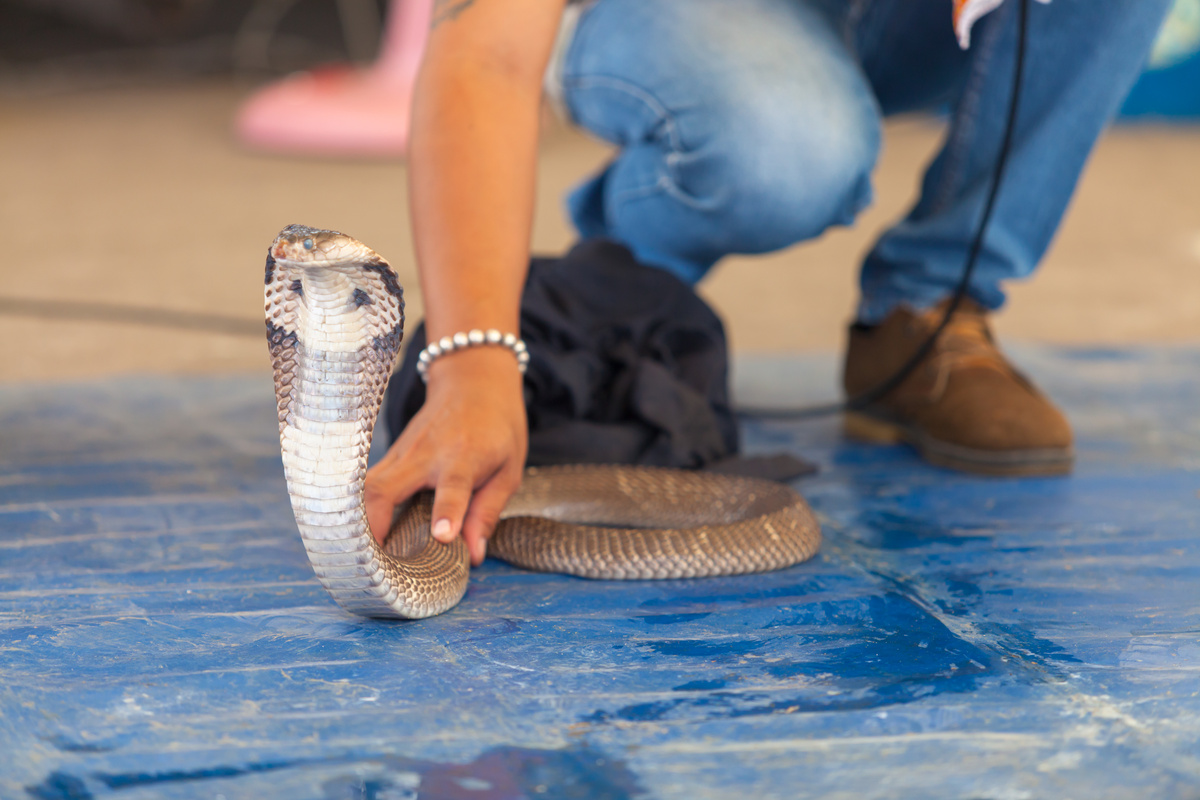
x,y
965,117
662,116
663,119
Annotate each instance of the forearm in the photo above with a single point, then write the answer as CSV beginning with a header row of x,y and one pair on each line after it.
x,y
473,164
471,180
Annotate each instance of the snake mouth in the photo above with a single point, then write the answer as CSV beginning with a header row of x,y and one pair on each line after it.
x,y
283,256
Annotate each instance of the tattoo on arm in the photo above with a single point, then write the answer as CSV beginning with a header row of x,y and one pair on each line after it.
x,y
448,10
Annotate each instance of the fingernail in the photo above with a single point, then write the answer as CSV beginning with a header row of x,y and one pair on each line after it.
x,y
441,530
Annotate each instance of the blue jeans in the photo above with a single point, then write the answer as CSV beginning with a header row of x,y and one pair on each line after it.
x,y
745,126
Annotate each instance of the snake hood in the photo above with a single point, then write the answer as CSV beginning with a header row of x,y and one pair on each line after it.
x,y
330,300
340,289
335,316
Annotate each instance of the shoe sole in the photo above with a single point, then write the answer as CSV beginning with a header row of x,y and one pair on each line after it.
x,y
1032,462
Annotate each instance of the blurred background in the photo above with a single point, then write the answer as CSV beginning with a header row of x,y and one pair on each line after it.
x,y
137,203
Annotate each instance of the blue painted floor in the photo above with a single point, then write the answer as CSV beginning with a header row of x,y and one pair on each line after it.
x,y
161,634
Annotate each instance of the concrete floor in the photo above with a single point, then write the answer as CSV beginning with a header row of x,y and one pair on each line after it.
x,y
140,196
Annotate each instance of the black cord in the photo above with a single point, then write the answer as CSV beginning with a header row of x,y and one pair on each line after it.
x,y
132,315
964,283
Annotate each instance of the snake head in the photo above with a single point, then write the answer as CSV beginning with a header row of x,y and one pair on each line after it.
x,y
330,292
302,246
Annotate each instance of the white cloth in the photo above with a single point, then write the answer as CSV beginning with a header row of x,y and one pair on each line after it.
x,y
966,12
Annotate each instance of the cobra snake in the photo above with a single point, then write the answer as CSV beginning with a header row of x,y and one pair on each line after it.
x,y
335,318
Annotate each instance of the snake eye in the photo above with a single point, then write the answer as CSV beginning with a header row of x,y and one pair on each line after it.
x,y
308,244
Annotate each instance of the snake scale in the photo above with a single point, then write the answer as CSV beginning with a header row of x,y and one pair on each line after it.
x,y
335,318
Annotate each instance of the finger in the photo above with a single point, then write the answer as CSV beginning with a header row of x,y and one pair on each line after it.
x,y
484,514
450,500
384,487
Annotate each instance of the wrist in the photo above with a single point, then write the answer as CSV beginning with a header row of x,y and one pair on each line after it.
x,y
474,339
493,365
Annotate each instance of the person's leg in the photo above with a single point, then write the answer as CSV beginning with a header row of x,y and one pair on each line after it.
x,y
1082,58
744,126
964,405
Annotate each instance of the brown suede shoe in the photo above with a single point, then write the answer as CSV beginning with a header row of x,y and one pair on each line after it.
x,y
964,406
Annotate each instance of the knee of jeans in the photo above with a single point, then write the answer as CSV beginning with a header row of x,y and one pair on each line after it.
x,y
771,175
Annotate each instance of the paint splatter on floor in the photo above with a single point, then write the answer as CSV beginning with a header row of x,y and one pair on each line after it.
x,y
161,634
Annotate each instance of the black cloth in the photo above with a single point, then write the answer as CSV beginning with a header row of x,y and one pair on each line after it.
x,y
627,366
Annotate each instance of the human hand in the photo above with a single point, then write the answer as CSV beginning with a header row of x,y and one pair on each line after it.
x,y
467,443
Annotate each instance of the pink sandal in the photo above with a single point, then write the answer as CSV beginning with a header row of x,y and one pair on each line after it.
x,y
344,110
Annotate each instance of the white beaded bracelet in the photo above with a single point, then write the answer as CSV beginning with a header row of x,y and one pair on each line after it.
x,y
471,338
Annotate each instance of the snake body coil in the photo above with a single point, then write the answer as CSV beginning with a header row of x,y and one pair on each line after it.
x,y
335,318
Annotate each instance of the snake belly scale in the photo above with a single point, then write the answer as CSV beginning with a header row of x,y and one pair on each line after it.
x,y
335,319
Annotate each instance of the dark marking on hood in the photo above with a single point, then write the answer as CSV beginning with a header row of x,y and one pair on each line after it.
x,y
387,275
390,341
279,337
